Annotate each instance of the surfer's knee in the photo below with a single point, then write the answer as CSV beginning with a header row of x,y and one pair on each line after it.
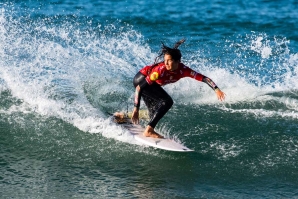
x,y
168,103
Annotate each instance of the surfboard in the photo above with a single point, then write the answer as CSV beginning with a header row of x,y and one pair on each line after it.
x,y
137,132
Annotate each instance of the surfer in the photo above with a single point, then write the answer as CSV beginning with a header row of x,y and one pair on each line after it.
x,y
150,79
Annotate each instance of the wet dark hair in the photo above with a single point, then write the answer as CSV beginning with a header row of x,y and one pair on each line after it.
x,y
174,52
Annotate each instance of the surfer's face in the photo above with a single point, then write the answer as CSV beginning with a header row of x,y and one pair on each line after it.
x,y
170,63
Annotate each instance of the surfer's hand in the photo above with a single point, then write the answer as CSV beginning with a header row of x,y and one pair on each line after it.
x,y
220,95
135,116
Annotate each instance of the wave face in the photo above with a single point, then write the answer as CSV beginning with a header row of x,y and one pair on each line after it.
x,y
66,65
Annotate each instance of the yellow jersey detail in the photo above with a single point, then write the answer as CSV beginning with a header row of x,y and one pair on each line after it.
x,y
154,76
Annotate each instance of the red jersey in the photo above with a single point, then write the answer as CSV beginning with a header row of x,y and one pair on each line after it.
x,y
162,76
159,74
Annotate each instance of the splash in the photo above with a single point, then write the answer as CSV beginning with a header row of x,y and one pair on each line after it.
x,y
77,69
257,72
54,65
263,48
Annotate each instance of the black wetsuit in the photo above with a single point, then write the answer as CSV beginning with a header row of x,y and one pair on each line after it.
x,y
148,82
155,97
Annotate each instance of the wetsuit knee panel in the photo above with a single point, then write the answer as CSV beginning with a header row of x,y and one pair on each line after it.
x,y
167,103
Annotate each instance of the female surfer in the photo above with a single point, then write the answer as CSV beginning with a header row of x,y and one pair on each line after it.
x,y
150,79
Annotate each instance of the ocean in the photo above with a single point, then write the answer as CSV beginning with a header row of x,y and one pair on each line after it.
x,y
66,65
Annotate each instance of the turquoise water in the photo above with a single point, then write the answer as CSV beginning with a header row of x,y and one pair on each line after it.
x,y
66,64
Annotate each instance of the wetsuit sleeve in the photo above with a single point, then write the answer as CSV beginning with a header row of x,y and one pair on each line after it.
x,y
210,83
193,74
140,83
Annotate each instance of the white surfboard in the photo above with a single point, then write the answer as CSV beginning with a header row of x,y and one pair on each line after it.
x,y
161,143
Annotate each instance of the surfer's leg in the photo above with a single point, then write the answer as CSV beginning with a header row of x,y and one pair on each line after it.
x,y
161,109
158,102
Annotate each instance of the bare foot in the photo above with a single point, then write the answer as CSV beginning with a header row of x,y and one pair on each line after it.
x,y
149,132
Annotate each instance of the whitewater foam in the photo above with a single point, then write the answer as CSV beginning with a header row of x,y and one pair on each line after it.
x,y
57,69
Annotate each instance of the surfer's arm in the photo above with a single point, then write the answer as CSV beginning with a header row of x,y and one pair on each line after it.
x,y
220,95
142,84
188,72
137,101
209,82
198,76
